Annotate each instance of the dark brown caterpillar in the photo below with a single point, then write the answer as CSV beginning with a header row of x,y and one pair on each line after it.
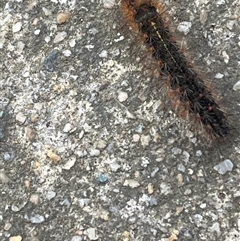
x,y
193,94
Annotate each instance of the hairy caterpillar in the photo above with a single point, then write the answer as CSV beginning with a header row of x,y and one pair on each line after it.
x,y
186,89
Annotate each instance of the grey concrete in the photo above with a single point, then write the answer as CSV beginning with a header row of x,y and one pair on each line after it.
x,y
89,148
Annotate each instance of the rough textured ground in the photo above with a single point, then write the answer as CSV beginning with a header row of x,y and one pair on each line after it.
x,y
89,150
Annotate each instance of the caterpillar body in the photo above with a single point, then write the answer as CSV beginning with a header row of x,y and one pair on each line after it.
x,y
186,88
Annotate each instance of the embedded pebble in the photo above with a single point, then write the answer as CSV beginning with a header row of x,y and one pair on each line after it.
x,y
7,156
47,39
66,203
114,166
198,153
27,184
37,31
15,238
72,42
94,152
108,3
67,127
102,179
237,86
46,11
1,133
219,76
7,226
131,183
76,238
198,218
20,46
122,96
16,27
179,210
184,27
35,198
180,179
136,137
50,195
181,167
50,61
30,133
150,188
60,36
153,201
103,54
51,153
154,172
91,233
101,144
63,17
225,57
176,150
215,228
15,208
188,191
67,53
203,205
21,117
37,218
3,177
145,139
224,167
69,164
173,237
185,156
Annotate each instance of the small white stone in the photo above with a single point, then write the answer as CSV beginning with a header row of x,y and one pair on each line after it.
x,y
225,57
103,54
91,233
219,76
37,31
184,27
185,156
108,3
67,53
69,164
114,166
16,27
215,228
176,150
94,152
3,177
50,194
131,183
47,39
203,205
20,46
136,137
76,238
60,36
67,127
122,96
198,153
15,238
237,86
72,43
21,117
145,139
35,198
224,167
46,11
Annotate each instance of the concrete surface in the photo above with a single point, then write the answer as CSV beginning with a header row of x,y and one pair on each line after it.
x,y
88,148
